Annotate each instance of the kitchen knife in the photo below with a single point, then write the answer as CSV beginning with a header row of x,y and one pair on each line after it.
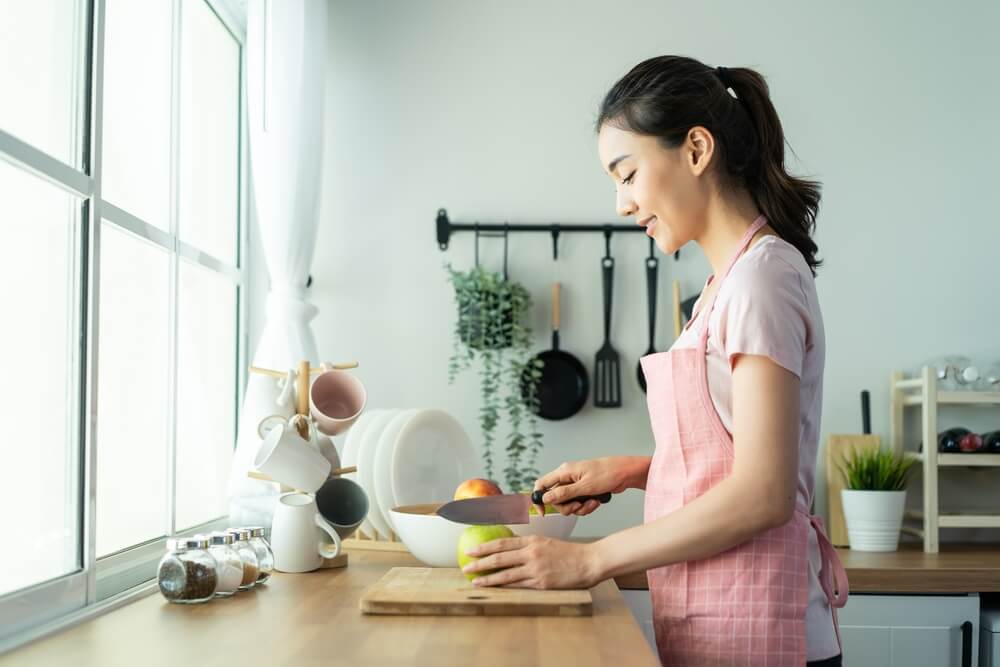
x,y
505,509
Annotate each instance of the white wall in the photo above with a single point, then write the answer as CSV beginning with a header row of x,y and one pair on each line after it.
x,y
487,108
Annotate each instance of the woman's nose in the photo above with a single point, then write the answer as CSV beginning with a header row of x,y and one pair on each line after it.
x,y
624,203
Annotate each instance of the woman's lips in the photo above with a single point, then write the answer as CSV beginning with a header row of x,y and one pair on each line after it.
x,y
649,224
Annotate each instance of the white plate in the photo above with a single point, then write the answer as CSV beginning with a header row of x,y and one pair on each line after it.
x,y
352,447
382,469
433,455
366,468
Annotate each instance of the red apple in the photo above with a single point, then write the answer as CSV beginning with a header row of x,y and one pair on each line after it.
x,y
475,488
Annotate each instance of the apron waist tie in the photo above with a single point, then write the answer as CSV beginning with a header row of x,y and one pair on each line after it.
x,y
832,575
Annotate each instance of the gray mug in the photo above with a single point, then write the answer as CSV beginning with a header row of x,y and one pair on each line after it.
x,y
343,503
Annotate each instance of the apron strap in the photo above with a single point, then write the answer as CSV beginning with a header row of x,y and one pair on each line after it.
x,y
832,575
706,310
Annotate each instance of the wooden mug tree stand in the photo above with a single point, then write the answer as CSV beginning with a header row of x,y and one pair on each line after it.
x,y
305,371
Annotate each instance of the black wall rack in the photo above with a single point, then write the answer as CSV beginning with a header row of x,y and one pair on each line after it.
x,y
445,228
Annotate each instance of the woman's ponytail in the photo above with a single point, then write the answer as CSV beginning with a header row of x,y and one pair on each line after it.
x,y
789,203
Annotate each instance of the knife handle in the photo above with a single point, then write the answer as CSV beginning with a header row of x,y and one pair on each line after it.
x,y
536,498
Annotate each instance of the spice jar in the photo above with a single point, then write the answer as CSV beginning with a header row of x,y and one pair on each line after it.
x,y
265,556
187,573
251,566
229,565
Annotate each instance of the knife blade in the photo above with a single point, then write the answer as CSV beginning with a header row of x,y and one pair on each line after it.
x,y
504,509
488,510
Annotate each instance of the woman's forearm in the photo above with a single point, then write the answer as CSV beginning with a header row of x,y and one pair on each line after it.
x,y
727,515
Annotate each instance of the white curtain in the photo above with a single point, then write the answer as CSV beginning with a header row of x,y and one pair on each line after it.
x,y
285,59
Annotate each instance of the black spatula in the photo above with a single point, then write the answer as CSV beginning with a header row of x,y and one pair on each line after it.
x,y
607,367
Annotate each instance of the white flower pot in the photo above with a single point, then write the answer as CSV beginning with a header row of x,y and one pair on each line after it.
x,y
873,518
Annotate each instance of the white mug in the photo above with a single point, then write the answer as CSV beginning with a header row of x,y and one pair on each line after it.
x,y
286,393
321,443
289,459
295,537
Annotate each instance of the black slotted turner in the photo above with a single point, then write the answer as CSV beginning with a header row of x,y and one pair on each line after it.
x,y
607,366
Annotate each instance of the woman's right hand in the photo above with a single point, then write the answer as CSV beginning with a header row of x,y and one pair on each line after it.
x,y
588,478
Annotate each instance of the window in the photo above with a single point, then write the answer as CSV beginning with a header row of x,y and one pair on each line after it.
x,y
137,81
122,176
43,54
41,296
133,377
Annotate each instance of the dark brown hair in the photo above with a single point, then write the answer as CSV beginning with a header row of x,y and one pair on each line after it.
x,y
666,96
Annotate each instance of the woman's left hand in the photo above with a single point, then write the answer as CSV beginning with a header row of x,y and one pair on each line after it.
x,y
535,562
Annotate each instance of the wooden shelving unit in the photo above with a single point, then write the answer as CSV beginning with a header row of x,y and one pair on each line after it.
x,y
923,391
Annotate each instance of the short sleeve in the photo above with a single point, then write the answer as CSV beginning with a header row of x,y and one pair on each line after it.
x,y
766,313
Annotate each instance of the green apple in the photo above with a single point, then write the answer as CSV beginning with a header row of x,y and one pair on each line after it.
x,y
533,509
549,509
475,535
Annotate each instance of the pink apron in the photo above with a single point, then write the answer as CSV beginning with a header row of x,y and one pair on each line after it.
x,y
746,606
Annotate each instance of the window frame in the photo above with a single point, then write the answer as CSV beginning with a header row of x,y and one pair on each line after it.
x,y
102,584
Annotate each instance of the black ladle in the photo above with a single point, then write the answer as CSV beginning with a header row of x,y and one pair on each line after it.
x,y
652,268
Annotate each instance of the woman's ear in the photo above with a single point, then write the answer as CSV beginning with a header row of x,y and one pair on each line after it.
x,y
699,148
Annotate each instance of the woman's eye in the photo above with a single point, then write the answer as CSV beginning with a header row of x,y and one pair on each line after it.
x,y
628,179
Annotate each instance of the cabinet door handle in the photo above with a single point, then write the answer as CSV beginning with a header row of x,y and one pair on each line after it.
x,y
967,644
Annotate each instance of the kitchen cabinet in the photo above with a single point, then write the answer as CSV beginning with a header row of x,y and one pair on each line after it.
x,y
989,637
885,630
910,630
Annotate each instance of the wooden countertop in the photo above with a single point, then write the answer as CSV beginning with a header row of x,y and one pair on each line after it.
x,y
956,569
314,619
961,568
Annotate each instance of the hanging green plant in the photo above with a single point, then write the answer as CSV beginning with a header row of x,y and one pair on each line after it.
x,y
491,328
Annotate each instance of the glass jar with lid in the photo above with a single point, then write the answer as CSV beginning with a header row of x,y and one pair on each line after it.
x,y
251,566
229,565
990,381
265,556
954,372
187,573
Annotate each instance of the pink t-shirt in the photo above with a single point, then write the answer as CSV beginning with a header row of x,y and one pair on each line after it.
x,y
768,306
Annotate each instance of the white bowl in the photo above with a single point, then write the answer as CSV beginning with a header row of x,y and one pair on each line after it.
x,y
431,538
555,526
434,539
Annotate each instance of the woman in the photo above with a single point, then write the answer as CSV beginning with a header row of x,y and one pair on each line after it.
x,y
738,571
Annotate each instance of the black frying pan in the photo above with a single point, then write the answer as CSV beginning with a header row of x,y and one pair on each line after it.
x,y
562,390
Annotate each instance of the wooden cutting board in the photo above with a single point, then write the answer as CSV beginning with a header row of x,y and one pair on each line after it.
x,y
442,591
836,447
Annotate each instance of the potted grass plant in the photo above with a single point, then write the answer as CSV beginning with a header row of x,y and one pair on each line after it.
x,y
874,497
491,329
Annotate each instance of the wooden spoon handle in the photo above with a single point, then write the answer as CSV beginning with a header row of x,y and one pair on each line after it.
x,y
556,313
677,309
303,387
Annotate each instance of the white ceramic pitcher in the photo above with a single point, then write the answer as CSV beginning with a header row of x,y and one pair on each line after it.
x,y
295,534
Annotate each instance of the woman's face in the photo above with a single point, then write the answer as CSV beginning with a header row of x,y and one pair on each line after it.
x,y
662,187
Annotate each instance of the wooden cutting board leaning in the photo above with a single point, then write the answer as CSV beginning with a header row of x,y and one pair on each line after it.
x,y
837,446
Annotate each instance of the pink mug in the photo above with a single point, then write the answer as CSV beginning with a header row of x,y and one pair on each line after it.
x,y
336,400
